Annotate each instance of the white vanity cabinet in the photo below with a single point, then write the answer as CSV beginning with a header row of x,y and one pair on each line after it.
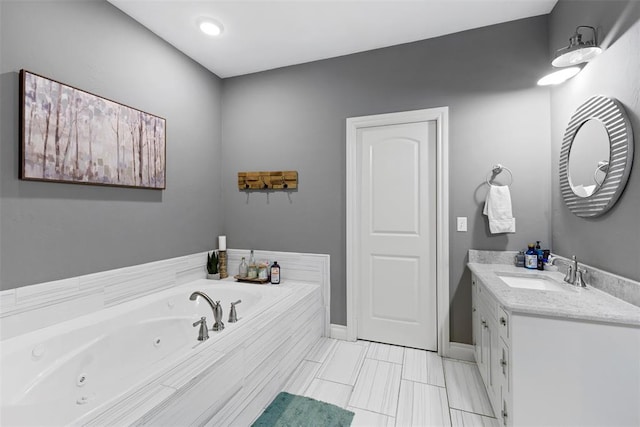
x,y
543,370
491,346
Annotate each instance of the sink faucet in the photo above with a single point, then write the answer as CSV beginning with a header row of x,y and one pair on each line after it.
x,y
570,277
574,274
215,307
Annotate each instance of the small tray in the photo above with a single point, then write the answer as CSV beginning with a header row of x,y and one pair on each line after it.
x,y
247,280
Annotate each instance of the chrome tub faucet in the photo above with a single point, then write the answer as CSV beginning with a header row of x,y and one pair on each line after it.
x,y
215,307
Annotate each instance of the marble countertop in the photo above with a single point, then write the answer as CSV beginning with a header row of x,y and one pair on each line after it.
x,y
571,302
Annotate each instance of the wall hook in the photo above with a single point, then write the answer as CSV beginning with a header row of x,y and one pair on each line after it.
x,y
268,180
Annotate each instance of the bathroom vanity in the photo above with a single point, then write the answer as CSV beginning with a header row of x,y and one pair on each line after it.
x,y
550,353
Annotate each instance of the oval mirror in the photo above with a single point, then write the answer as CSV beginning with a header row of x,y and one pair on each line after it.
x,y
596,156
589,158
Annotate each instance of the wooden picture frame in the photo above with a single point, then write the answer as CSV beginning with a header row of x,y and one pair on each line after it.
x,y
72,136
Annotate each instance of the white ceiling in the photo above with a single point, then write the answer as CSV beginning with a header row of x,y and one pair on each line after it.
x,y
265,34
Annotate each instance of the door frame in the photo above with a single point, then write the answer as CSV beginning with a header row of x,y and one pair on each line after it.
x,y
441,116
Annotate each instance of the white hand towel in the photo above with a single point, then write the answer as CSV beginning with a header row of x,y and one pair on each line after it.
x,y
498,208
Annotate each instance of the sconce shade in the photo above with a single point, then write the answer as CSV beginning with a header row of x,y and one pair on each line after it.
x,y
558,76
578,51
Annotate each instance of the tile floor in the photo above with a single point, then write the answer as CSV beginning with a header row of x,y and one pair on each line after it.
x,y
386,385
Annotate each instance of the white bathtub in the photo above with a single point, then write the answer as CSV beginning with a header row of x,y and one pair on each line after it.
x,y
62,374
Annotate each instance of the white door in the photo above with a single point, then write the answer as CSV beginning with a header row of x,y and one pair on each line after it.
x,y
397,250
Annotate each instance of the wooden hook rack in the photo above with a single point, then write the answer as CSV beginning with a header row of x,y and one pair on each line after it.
x,y
274,180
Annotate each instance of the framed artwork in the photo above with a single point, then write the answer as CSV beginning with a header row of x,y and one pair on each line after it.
x,y
73,136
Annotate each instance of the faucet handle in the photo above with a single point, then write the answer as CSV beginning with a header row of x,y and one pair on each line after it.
x,y
233,316
580,282
569,276
204,332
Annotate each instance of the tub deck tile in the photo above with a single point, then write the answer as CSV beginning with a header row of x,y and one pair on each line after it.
x,y
189,369
130,408
190,268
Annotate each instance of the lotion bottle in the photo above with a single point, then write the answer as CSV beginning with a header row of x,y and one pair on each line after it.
x,y
531,258
275,273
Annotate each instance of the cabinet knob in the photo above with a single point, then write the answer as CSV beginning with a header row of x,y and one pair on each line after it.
x,y
473,309
503,321
503,363
484,323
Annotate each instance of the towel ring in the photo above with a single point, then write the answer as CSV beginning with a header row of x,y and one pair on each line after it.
x,y
496,170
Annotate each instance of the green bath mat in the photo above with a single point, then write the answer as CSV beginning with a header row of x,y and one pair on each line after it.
x,y
289,410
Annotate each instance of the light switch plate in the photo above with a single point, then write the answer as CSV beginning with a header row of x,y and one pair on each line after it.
x,y
461,223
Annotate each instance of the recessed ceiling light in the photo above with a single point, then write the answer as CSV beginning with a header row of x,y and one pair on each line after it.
x,y
210,27
558,76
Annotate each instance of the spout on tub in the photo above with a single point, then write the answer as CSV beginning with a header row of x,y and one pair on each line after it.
x,y
215,307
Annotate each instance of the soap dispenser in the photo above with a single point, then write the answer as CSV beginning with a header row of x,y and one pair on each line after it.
x,y
531,258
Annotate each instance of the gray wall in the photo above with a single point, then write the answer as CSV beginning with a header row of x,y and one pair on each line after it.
x,y
294,118
612,241
51,231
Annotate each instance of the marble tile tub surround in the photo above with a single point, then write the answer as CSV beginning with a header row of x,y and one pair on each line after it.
x,y
572,302
309,268
37,306
230,380
620,287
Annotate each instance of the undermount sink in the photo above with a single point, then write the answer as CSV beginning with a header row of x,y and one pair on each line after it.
x,y
537,282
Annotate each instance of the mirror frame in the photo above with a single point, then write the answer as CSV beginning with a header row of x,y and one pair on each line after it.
x,y
614,118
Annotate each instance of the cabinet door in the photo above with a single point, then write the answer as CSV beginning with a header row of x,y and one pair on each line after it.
x,y
504,415
485,346
494,368
505,386
475,319
504,365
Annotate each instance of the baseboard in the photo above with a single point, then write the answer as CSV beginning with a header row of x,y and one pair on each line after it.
x,y
339,332
461,352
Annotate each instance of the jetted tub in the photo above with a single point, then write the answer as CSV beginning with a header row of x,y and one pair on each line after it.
x,y
61,374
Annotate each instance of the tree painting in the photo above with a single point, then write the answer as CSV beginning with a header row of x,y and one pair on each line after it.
x,y
69,135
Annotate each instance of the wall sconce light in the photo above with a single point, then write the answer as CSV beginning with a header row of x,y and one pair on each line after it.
x,y
577,52
560,76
